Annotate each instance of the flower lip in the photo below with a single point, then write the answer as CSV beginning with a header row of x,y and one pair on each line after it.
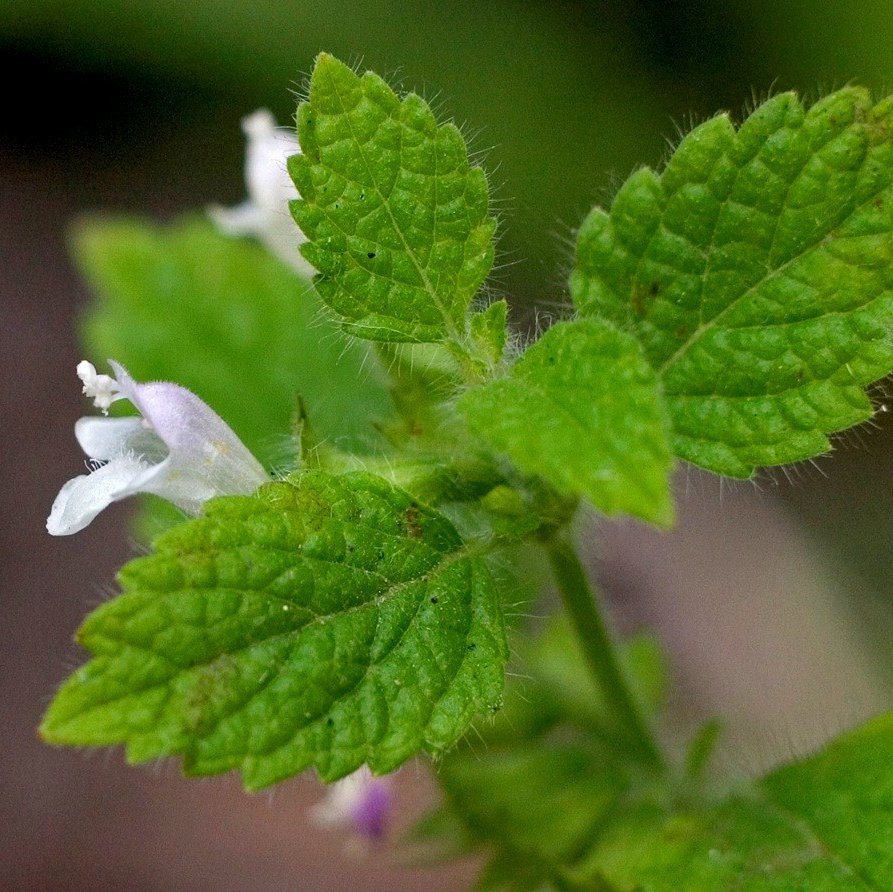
x,y
102,439
180,449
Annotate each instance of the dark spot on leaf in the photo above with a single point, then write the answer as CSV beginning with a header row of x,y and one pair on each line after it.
x,y
362,196
411,516
681,332
380,555
371,255
330,721
434,600
654,289
637,299
471,646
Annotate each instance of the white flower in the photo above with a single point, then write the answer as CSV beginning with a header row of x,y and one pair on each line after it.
x,y
266,214
360,802
180,450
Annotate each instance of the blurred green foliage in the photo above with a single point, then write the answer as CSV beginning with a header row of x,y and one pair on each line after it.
x,y
555,94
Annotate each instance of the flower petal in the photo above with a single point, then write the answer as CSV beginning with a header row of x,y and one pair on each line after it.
x,y
108,438
82,498
266,214
201,444
184,486
360,802
243,219
266,173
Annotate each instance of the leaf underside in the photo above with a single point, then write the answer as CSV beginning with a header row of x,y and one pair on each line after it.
x,y
396,219
327,621
756,272
581,408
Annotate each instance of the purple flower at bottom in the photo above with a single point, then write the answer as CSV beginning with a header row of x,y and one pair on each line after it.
x,y
360,802
180,449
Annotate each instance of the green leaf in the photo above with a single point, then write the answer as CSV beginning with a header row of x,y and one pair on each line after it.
x,y
581,408
230,322
512,794
823,823
756,272
397,220
538,805
327,621
489,332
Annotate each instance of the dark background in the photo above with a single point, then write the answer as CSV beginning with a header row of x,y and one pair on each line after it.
x,y
773,600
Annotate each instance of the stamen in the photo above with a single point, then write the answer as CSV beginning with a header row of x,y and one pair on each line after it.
x,y
102,389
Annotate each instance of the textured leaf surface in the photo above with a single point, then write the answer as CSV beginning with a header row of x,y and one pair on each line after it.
x,y
757,271
328,621
581,408
824,823
231,323
397,220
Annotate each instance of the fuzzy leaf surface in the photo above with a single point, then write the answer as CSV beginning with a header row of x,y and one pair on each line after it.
x,y
233,324
757,272
327,621
581,408
397,220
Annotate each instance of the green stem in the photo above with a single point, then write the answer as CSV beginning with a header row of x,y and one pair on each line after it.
x,y
579,599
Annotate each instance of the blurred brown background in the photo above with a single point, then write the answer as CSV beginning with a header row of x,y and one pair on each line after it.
x,y
773,600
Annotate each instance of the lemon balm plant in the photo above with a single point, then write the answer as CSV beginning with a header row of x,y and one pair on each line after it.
x,y
337,603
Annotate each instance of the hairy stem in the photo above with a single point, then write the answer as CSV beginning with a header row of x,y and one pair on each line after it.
x,y
592,633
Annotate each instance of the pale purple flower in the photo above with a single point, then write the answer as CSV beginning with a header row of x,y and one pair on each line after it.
x,y
266,215
180,449
360,802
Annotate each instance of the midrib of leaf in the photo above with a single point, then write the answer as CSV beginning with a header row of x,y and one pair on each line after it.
x,y
422,271
771,273
467,550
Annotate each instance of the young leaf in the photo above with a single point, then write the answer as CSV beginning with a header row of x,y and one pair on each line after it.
x,y
757,271
581,408
397,220
489,332
327,621
233,324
